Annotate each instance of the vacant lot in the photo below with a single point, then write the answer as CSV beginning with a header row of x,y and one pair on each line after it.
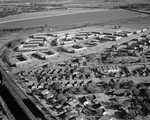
x,y
72,18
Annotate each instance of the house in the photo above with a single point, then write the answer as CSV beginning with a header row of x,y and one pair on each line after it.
x,y
107,33
127,33
119,34
45,93
81,117
145,29
64,49
101,36
121,47
118,31
80,37
148,36
73,103
119,92
107,38
41,86
132,42
90,35
138,31
96,32
61,34
71,114
49,96
35,86
113,38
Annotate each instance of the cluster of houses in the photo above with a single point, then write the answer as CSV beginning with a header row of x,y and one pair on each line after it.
x,y
139,44
72,88
75,107
72,106
78,104
141,71
130,51
59,74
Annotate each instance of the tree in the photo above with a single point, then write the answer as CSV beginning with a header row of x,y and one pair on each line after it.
x,y
90,89
87,111
72,90
140,99
135,91
131,84
112,83
46,25
126,103
90,97
100,111
148,94
123,114
81,90
57,85
138,118
61,98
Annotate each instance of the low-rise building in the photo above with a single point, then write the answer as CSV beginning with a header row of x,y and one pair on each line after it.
x,y
138,31
107,33
90,36
145,29
80,37
131,42
121,47
114,37
28,48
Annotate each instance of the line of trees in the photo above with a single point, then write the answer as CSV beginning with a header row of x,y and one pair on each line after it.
x,y
3,30
137,6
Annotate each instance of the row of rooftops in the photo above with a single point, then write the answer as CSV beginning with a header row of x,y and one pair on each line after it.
x,y
26,56
140,42
34,44
41,38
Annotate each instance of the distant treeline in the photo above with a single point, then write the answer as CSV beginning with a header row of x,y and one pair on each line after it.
x,y
6,13
6,10
19,29
137,6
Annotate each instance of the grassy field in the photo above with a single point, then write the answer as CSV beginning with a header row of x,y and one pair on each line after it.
x,y
72,18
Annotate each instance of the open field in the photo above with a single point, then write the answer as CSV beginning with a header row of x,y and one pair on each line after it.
x,y
72,18
47,13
